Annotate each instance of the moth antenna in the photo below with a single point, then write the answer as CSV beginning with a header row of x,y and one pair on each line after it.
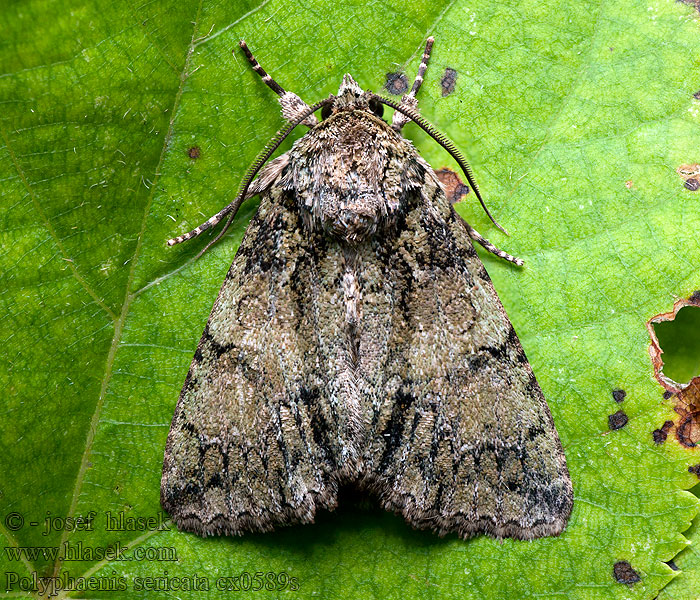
x,y
445,142
252,171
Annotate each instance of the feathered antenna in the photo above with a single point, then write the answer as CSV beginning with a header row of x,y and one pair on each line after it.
x,y
441,139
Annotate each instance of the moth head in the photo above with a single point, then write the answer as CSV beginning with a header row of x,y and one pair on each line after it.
x,y
352,97
349,88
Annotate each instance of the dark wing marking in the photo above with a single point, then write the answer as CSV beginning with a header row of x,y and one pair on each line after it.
x,y
459,437
256,437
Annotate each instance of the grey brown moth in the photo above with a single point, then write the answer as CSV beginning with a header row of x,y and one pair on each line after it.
x,y
357,339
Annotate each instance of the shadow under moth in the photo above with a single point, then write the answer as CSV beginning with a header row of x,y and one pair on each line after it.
x,y
357,339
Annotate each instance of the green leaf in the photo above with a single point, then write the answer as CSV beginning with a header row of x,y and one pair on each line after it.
x,y
685,587
575,117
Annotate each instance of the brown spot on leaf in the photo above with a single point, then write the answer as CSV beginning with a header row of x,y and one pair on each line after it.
x,y
629,184
661,434
687,406
667,395
448,81
617,420
194,152
696,95
689,173
695,470
396,83
624,573
455,188
619,395
688,170
688,409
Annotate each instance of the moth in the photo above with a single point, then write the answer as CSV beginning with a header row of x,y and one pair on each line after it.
x,y
357,340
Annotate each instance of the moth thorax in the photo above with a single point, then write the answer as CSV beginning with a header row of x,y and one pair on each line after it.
x,y
357,216
352,223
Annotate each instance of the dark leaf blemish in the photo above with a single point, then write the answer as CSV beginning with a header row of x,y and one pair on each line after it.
x,y
455,188
696,95
687,405
448,81
619,395
194,152
694,297
667,394
661,434
695,470
617,420
396,83
689,173
624,573
687,432
693,184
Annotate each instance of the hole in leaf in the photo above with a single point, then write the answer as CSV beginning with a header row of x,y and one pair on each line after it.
x,y
675,337
679,340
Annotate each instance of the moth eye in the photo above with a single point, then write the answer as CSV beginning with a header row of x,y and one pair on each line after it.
x,y
377,108
326,112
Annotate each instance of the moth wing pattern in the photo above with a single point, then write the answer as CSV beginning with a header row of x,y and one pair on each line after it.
x,y
358,339
461,438
250,446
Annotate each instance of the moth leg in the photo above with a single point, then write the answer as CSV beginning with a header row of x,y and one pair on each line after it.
x,y
292,105
409,100
477,237
262,183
